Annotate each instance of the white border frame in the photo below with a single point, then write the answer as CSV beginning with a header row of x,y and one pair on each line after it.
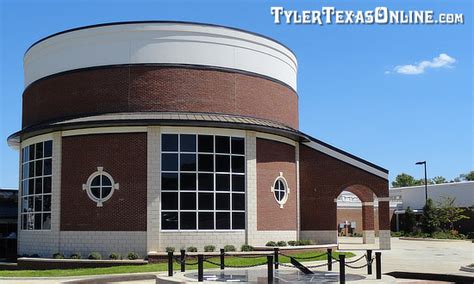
x,y
287,190
87,186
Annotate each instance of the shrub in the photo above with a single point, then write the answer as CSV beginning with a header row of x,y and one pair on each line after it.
x,y
229,248
209,248
192,249
35,255
356,234
94,255
281,243
246,248
305,242
132,255
397,234
58,255
271,244
169,249
430,220
75,255
115,256
292,243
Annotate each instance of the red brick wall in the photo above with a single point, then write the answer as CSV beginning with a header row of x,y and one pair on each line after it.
x,y
124,157
272,158
151,88
322,179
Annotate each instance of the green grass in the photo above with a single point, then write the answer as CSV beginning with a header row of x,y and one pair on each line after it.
x,y
151,267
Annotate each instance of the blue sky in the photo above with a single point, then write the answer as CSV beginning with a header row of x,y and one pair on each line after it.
x,y
350,94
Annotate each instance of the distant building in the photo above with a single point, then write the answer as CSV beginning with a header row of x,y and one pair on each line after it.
x,y
8,222
414,197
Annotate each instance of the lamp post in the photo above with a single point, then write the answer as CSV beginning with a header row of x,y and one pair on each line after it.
x,y
426,180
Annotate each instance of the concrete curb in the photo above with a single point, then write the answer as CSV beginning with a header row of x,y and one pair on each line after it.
x,y
431,239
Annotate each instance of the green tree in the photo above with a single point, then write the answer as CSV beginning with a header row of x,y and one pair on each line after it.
x,y
429,220
404,179
409,220
449,213
439,179
468,176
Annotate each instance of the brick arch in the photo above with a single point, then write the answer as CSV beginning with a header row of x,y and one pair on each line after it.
x,y
364,193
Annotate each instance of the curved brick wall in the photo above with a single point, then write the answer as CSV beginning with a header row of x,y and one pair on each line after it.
x,y
136,88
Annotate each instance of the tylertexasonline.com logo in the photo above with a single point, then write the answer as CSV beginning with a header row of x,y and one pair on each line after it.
x,y
379,15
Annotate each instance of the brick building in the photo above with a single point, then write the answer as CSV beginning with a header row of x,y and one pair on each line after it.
x,y
142,135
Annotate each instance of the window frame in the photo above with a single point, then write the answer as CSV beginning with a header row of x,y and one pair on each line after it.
x,y
197,172
25,179
88,186
282,179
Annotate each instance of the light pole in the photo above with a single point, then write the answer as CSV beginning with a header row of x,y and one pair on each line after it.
x,y
426,180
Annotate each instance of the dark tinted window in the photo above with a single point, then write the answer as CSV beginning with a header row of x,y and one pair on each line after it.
x,y
238,164
188,220
206,181
222,182
238,201
238,145
188,181
206,143
222,220
187,143
169,220
188,162
206,220
206,163
188,201
206,201
238,221
222,163
169,142
48,148
222,144
39,151
169,162
169,201
238,183
169,181
222,201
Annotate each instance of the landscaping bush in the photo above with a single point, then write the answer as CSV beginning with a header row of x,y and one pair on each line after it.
x,y
271,244
58,255
94,255
192,249
229,248
169,249
132,255
35,255
115,256
209,248
75,255
356,235
281,243
397,234
292,243
305,242
246,248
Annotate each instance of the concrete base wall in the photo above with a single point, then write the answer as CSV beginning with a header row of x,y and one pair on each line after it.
x,y
180,240
43,243
368,237
321,237
384,239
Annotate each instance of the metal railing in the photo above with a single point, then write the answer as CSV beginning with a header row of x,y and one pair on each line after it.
x,y
273,262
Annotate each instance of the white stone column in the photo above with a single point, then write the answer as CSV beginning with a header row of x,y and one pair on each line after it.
x,y
251,194
153,189
384,239
298,214
56,190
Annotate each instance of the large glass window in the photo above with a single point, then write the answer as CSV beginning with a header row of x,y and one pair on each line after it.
x,y
36,164
202,182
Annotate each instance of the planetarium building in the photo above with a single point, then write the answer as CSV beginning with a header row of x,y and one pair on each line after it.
x,y
143,135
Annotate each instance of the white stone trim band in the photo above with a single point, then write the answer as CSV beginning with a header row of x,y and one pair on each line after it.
x,y
160,43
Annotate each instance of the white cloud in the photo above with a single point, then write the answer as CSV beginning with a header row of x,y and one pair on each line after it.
x,y
441,61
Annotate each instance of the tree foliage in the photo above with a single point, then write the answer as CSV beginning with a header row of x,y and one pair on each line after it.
x,y
468,176
404,179
448,213
430,221
409,220
439,179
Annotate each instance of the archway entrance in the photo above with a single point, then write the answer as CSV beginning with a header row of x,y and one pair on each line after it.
x,y
355,215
